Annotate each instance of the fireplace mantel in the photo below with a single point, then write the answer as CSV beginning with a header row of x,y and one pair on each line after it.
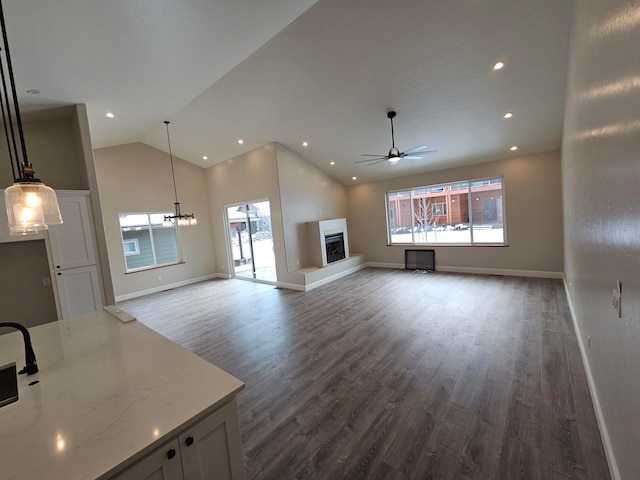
x,y
317,232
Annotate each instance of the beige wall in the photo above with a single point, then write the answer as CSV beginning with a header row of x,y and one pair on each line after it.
x,y
307,194
297,190
137,178
533,211
51,148
247,178
27,300
601,176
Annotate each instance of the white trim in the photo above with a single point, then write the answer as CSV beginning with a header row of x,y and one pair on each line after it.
x,y
385,265
482,271
141,293
291,286
602,426
501,271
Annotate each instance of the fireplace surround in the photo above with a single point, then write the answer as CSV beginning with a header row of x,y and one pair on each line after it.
x,y
328,241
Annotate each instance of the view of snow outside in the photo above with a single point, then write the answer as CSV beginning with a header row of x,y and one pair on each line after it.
x,y
459,234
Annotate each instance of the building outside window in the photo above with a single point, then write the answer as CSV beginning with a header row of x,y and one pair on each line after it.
x,y
462,213
146,242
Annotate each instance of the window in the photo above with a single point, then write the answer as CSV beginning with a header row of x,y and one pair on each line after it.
x,y
439,209
463,213
131,247
147,242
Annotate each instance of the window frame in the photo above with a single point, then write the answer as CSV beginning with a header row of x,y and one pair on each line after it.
x,y
441,188
150,229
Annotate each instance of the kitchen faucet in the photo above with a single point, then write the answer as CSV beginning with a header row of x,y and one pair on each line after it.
x,y
32,366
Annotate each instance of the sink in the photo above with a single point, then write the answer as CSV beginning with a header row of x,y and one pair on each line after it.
x,y
8,384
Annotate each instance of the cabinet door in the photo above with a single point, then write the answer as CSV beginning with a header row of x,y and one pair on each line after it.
x,y
78,291
212,447
72,241
161,464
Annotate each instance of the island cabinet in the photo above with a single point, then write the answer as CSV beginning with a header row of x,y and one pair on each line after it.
x,y
208,449
117,400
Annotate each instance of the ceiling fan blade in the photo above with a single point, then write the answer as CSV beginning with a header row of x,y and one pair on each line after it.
x,y
371,159
372,155
416,149
411,157
377,161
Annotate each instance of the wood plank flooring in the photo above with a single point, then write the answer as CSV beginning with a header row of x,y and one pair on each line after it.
x,y
387,374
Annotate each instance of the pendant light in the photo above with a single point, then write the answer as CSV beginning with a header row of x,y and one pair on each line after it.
x,y
181,219
31,205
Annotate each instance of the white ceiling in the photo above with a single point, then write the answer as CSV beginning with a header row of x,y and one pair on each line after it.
x,y
324,72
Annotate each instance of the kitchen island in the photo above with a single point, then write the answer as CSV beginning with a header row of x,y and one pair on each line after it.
x,y
116,400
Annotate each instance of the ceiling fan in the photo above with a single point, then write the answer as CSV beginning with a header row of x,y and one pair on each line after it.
x,y
395,155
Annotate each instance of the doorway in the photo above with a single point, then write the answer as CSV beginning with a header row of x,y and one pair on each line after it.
x,y
251,241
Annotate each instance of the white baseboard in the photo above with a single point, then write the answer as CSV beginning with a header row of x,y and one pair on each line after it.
x,y
291,286
604,433
482,271
141,293
385,265
501,271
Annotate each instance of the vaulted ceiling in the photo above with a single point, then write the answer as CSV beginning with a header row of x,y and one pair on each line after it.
x,y
324,72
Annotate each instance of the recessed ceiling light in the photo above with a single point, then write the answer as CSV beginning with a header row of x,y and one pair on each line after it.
x,y
204,157
305,144
498,66
514,148
240,141
332,163
354,178
110,115
508,115
34,91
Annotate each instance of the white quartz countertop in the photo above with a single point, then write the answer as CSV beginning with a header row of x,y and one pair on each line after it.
x,y
107,391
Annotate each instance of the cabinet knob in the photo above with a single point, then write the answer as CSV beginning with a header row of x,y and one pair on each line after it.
x,y
171,453
57,266
189,441
59,273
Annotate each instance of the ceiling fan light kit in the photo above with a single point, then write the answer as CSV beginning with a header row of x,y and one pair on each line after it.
x,y
395,155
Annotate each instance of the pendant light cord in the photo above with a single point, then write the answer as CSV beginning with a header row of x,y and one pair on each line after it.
x,y
25,163
173,175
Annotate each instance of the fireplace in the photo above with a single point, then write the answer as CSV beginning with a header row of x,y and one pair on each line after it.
x,y
334,245
328,241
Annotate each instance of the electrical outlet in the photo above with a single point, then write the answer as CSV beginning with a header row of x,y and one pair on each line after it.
x,y
46,281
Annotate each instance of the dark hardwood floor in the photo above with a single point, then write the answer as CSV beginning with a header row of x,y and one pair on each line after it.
x,y
387,374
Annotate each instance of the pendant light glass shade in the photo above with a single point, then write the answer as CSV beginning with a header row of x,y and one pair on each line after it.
x,y
31,207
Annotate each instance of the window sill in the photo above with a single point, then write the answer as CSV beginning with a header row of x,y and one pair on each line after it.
x,y
432,245
155,267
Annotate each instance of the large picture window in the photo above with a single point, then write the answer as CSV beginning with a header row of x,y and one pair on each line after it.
x,y
463,213
146,242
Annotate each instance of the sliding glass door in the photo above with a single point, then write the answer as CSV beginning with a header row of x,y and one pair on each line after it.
x,y
251,241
